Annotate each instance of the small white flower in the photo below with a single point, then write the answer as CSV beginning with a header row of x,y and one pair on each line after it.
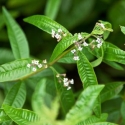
x,y
44,61
36,62
66,84
39,65
64,34
80,48
99,45
45,66
34,69
69,88
28,65
76,57
98,40
57,36
71,81
79,36
65,80
73,51
53,33
85,44
59,30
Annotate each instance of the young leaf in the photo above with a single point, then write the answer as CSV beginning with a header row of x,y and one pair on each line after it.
x,y
45,23
66,97
62,46
21,116
17,38
113,54
110,90
52,8
84,105
15,70
122,29
16,96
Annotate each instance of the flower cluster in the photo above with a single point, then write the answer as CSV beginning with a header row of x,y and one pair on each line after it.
x,y
66,82
58,35
35,64
99,42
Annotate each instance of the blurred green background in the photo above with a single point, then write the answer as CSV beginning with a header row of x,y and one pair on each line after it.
x,y
76,16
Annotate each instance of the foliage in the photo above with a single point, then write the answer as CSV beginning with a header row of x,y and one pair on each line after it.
x,y
37,91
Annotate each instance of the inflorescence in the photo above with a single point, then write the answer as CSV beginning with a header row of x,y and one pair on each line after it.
x,y
36,64
66,82
58,35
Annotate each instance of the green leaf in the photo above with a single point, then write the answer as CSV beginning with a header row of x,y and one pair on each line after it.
x,y
5,56
88,77
113,65
103,123
110,90
84,105
113,54
3,116
52,8
86,71
45,23
21,116
66,97
94,119
16,96
123,109
17,38
43,103
62,46
15,70
122,29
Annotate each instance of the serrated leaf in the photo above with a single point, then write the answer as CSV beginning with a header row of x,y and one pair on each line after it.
x,y
52,8
84,105
88,77
21,116
113,54
66,97
16,96
94,119
45,23
15,70
62,46
110,90
17,38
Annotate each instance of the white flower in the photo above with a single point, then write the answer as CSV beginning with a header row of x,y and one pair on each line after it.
x,y
98,40
71,81
99,45
76,57
45,66
85,44
39,65
73,51
80,48
65,80
34,69
79,36
28,65
53,33
59,30
68,88
36,62
64,34
44,61
57,36
66,83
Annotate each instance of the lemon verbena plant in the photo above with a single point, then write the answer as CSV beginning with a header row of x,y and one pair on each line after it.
x,y
54,101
